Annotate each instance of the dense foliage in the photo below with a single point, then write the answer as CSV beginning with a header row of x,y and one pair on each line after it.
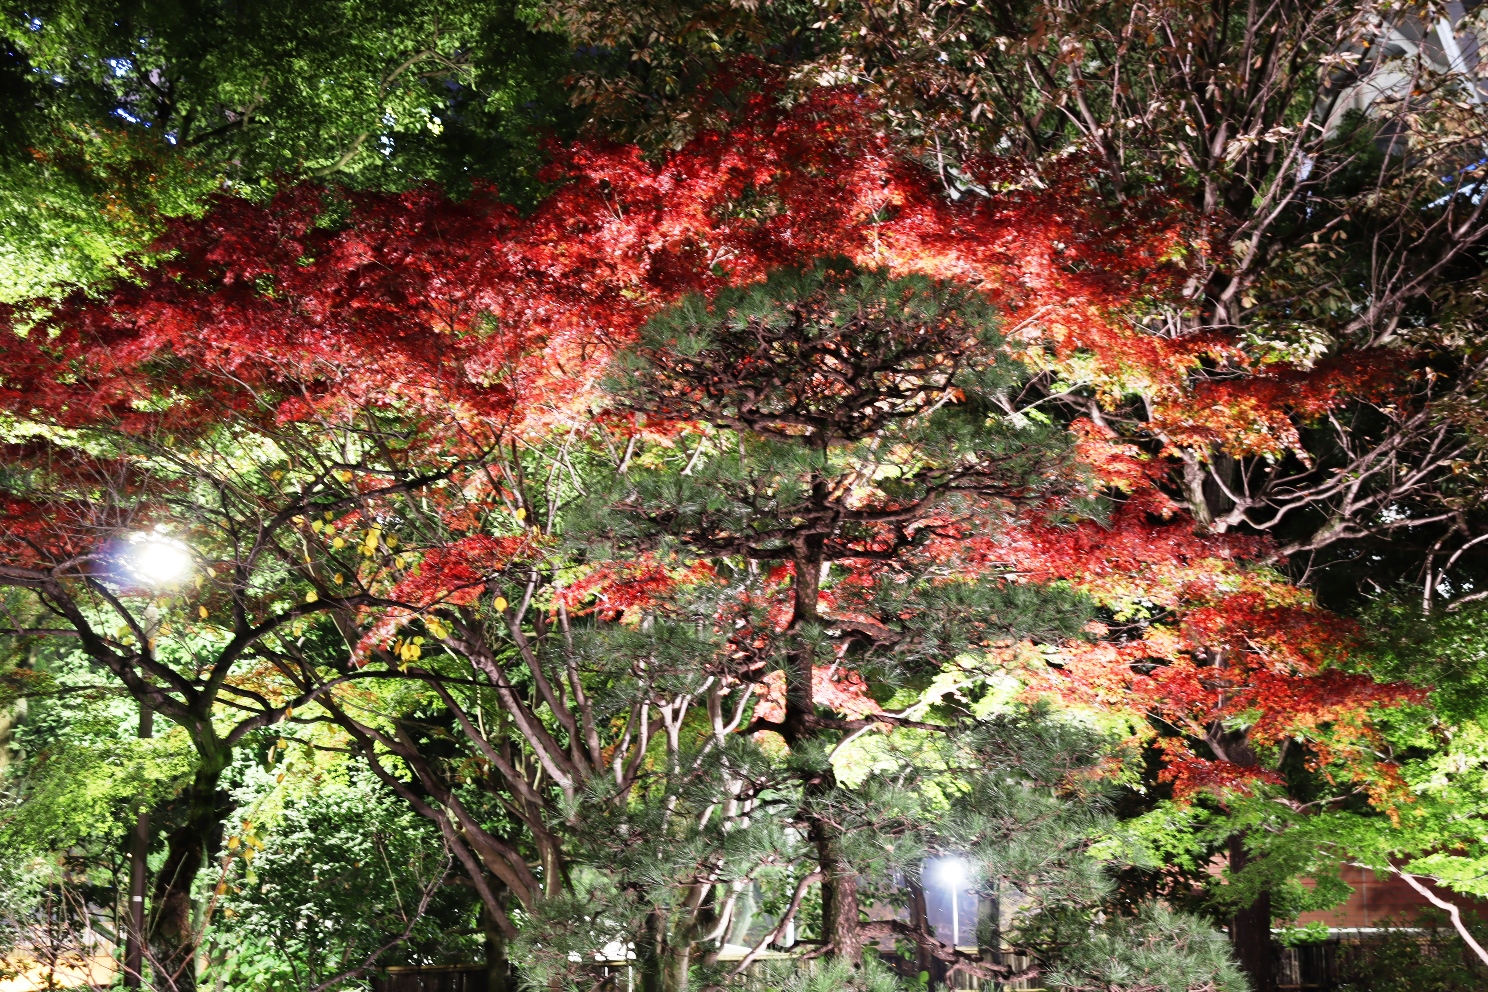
x,y
118,116
592,482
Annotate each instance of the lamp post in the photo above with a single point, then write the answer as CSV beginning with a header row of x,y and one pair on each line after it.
x,y
156,561
952,873
139,852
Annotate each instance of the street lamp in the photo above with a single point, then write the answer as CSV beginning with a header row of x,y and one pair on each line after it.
x,y
953,873
158,562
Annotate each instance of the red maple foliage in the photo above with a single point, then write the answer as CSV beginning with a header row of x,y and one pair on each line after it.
x,y
1201,639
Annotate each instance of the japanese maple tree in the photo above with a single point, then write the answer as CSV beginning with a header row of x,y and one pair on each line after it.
x,y
1245,685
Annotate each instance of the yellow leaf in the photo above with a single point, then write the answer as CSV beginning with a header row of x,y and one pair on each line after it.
x,y
521,513
339,543
201,611
500,603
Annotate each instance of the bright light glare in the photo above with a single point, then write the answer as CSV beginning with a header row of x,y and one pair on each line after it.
x,y
157,560
952,873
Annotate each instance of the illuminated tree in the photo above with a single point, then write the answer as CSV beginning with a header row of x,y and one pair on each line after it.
x,y
855,427
844,466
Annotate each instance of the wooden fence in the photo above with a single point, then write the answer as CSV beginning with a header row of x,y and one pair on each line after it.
x,y
439,978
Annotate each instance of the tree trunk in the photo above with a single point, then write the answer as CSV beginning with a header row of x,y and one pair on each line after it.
x,y
499,977
839,890
839,878
196,837
139,853
663,959
800,692
676,966
926,963
989,926
1250,930
650,952
1250,927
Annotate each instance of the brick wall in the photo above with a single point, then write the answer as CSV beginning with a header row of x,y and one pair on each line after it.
x,y
1387,901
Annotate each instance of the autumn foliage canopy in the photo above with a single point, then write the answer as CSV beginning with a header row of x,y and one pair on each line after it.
x,y
839,417
490,328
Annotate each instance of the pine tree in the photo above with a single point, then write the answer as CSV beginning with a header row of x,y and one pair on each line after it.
x,y
847,437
